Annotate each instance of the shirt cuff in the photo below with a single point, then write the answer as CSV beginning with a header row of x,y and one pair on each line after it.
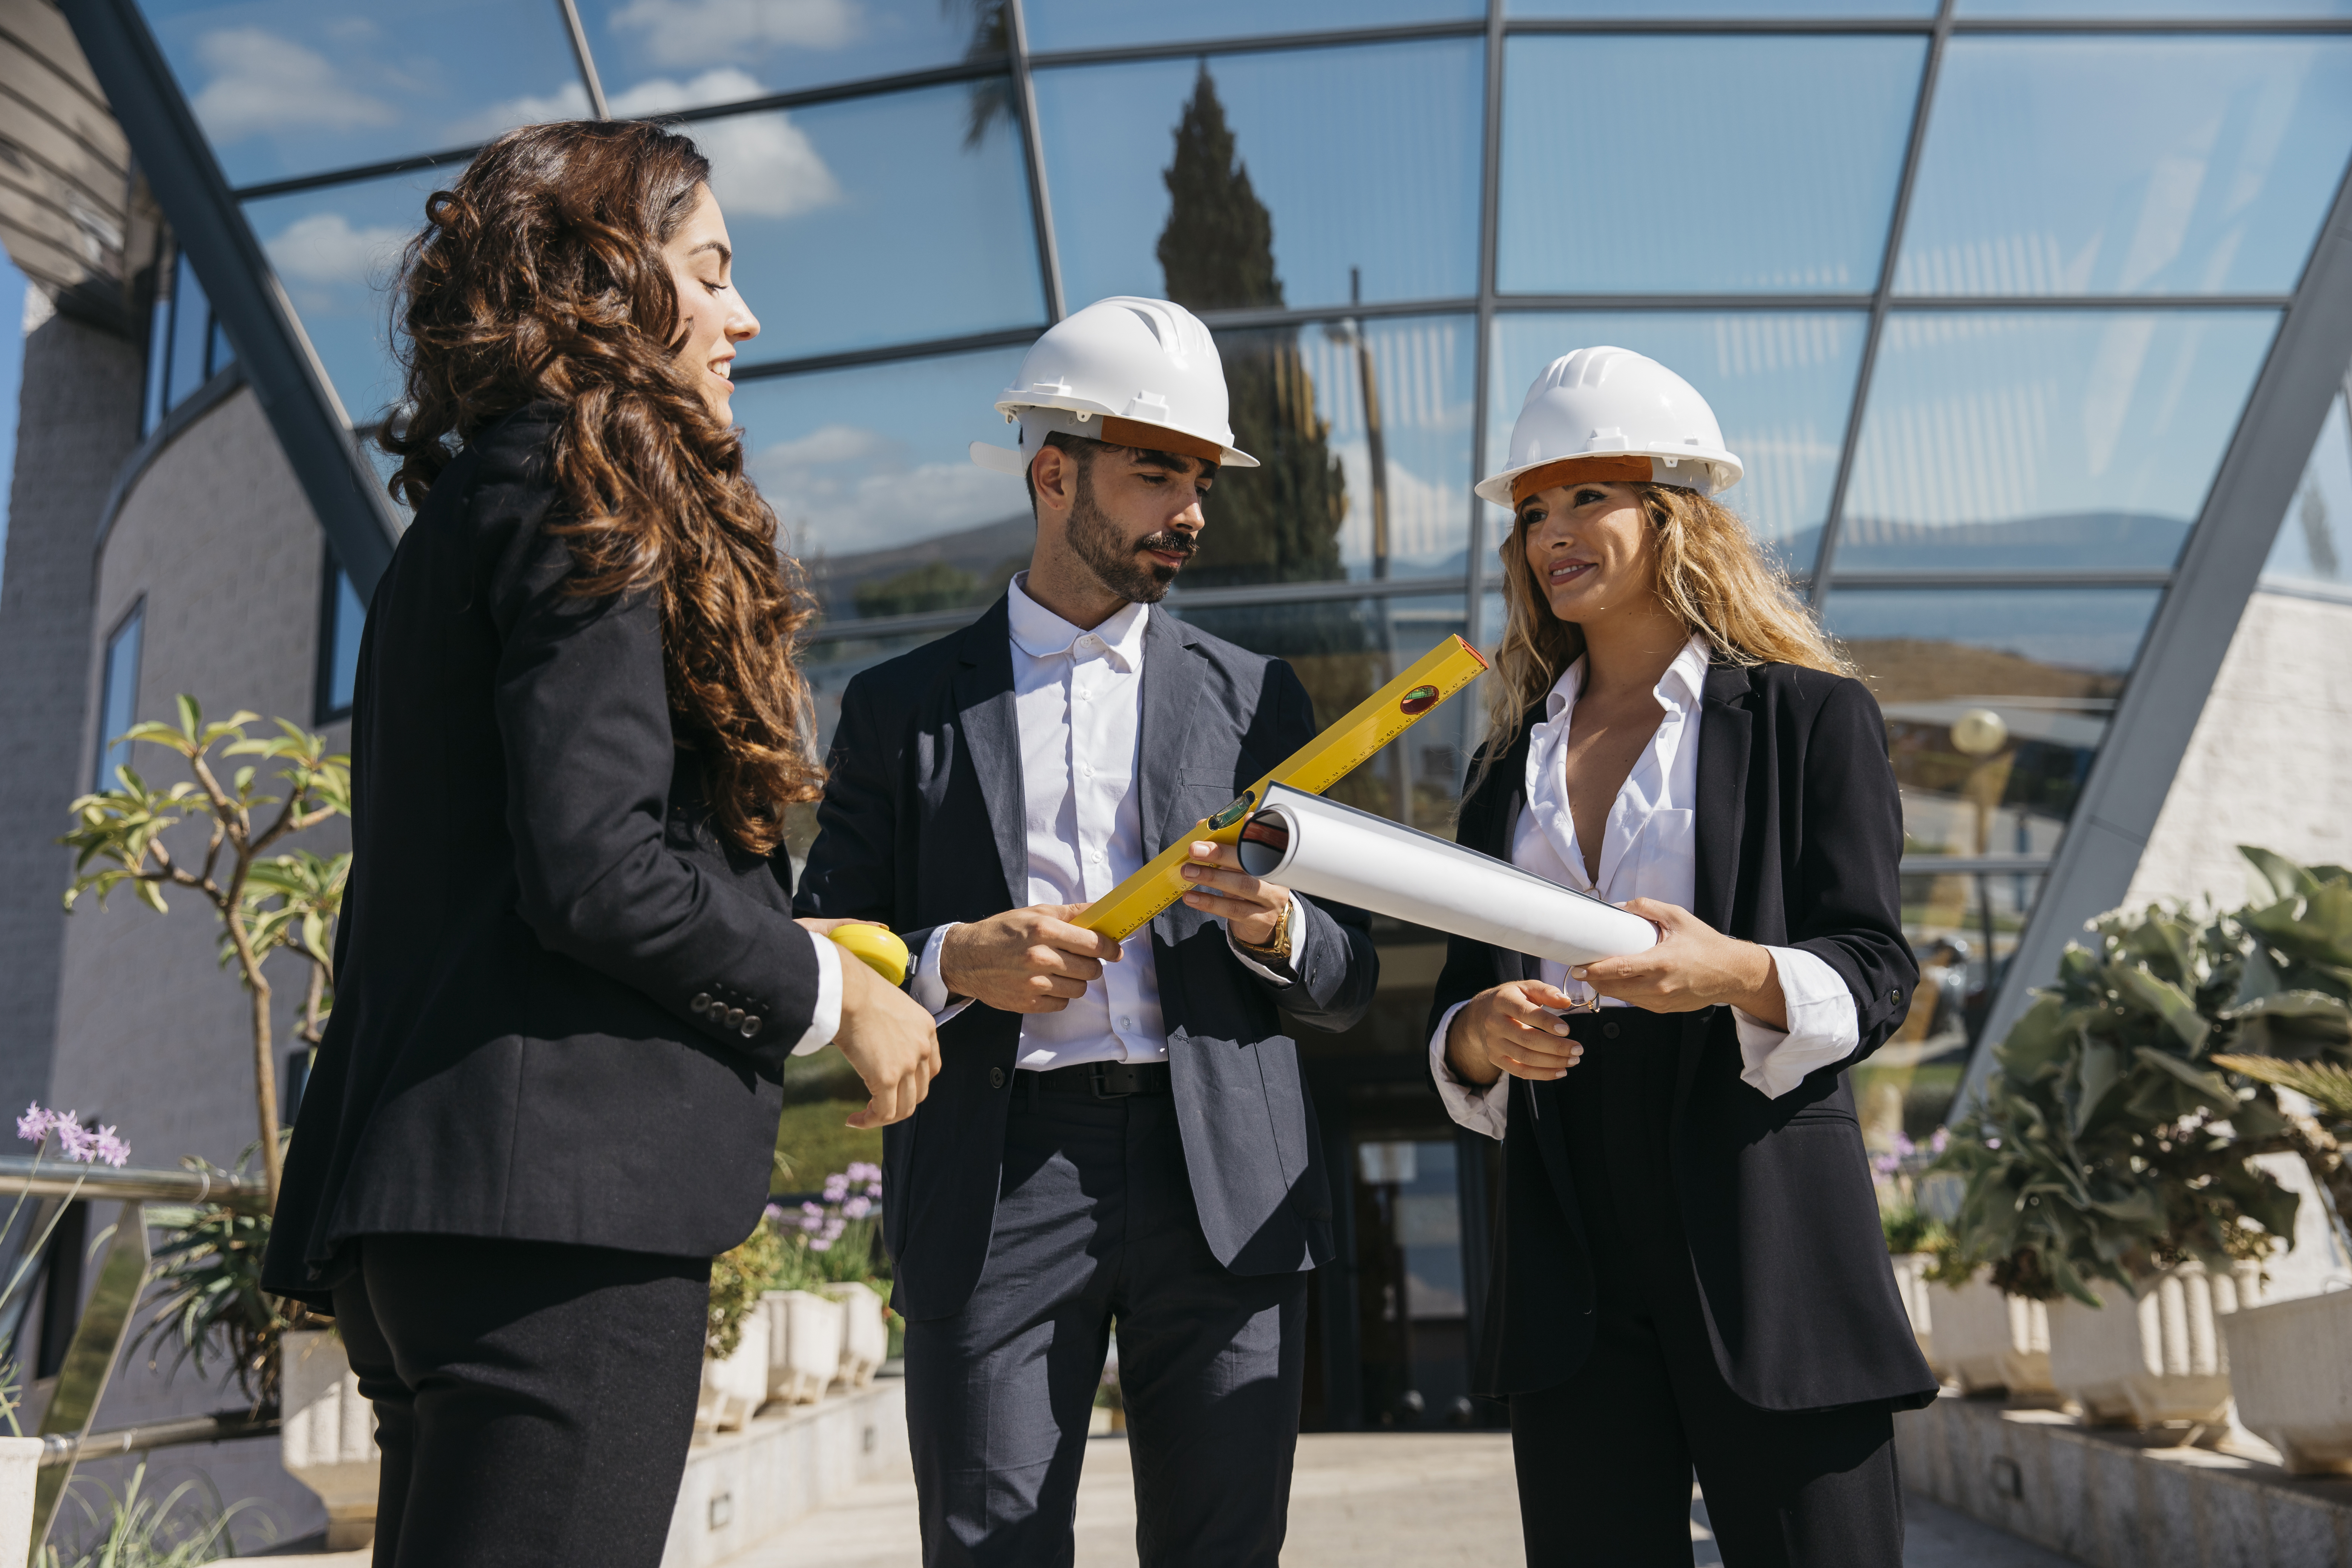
x,y
927,988
1297,949
825,1022
1823,1026
1482,1108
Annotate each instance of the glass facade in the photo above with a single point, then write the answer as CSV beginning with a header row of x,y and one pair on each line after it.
x,y
186,344
1979,299
117,695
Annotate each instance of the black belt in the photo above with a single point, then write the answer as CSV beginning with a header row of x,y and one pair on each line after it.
x,y
1109,1080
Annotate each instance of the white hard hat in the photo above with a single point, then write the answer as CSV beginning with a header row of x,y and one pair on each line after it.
x,y
1628,415
1132,372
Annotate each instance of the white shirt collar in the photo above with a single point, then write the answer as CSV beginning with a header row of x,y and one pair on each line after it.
x,y
1041,634
1677,692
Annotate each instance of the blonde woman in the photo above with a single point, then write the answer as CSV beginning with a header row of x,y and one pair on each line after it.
x,y
1690,1273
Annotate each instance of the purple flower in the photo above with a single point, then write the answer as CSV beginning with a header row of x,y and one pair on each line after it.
x,y
1942,1138
34,1125
837,1187
857,1208
812,1210
772,1212
833,1229
874,1189
820,1244
111,1149
812,1222
1886,1164
862,1171
75,1141
1903,1147
1992,1142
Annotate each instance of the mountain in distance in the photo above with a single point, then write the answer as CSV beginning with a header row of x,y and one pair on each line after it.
x,y
2063,542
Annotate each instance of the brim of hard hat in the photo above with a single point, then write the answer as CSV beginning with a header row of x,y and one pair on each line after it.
x,y
1014,461
1724,472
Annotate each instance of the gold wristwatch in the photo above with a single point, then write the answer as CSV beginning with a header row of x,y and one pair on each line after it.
x,y
1278,950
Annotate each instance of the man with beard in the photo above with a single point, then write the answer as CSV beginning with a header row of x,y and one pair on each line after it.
x,y
1120,1131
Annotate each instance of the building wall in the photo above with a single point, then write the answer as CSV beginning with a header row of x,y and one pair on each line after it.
x,y
2270,761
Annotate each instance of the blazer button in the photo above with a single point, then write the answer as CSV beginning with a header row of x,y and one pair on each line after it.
x,y
1895,996
1609,1031
701,1004
996,1077
734,1017
751,1026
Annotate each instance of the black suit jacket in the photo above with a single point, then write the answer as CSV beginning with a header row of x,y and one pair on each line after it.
x,y
923,823
536,901
1799,840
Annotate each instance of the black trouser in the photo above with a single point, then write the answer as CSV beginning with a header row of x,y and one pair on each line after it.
x,y
1095,1219
1605,1459
534,1402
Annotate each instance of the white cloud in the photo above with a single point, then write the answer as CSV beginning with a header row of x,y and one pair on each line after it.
x,y
260,82
697,32
843,489
325,249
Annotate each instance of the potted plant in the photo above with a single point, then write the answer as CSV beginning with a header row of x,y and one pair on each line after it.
x,y
2108,1150
735,1354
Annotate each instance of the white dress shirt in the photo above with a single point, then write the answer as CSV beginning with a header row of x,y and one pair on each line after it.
x,y
1649,849
825,1022
1077,697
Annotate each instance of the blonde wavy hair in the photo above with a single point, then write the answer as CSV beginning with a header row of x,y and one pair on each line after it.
x,y
1710,574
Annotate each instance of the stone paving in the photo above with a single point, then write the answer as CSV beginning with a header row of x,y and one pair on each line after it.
x,y
1410,1501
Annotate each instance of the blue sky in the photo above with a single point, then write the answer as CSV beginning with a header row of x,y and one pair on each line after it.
x,y
12,371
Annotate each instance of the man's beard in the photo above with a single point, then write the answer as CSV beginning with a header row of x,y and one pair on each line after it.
x,y
1099,543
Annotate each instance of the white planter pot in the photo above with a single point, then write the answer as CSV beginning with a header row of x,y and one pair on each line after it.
x,y
735,1388
2157,1361
2291,1367
20,1470
865,1338
1911,1284
804,1335
327,1438
1986,1340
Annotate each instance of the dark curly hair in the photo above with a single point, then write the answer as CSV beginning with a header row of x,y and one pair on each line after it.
x,y
540,278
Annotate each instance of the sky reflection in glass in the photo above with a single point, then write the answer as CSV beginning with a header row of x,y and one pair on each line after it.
x,y
2314,538
284,87
875,221
1780,382
2221,10
2045,438
2107,166
656,54
871,472
1720,10
1108,23
1365,157
1775,172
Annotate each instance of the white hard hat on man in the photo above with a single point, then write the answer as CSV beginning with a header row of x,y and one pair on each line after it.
x,y
1128,371
1613,415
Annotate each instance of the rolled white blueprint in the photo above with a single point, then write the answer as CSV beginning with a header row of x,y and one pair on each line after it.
x,y
1318,847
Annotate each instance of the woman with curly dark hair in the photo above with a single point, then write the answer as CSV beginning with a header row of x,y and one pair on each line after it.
x,y
567,975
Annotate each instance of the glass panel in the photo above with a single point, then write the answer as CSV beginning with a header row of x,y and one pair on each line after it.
x,y
219,352
1780,382
1106,24
1350,487
1788,151
1713,10
1344,650
1996,702
117,697
2315,541
2231,10
337,251
879,220
658,55
284,87
1308,178
156,401
870,471
2107,166
2045,438
190,323
1411,1299
346,619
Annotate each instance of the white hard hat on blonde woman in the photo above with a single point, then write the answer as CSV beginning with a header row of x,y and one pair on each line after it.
x,y
1612,414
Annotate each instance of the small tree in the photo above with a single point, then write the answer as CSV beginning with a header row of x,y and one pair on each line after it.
x,y
263,901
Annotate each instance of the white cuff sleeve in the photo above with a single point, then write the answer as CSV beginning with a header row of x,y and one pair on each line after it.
x,y
1482,1109
825,1022
1298,948
1822,1025
927,988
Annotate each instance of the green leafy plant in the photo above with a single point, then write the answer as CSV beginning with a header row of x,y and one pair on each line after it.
x,y
185,1526
208,1301
738,1278
263,902
2118,1137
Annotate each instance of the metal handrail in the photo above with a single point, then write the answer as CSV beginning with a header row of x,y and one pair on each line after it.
x,y
57,1449
59,1179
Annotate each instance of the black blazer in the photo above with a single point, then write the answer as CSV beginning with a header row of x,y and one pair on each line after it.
x,y
536,901
923,823
1799,839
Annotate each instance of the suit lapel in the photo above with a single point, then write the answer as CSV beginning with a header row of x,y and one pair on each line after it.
x,y
1725,731
1505,793
992,731
1172,683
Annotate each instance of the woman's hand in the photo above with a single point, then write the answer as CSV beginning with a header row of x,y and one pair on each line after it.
x,y
1694,966
1507,1030
890,1040
1251,909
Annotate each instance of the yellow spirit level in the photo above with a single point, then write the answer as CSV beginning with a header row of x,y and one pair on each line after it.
x,y
1314,767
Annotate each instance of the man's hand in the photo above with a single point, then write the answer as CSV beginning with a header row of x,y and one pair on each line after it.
x,y
1693,966
889,1039
1026,961
1508,1029
1251,909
